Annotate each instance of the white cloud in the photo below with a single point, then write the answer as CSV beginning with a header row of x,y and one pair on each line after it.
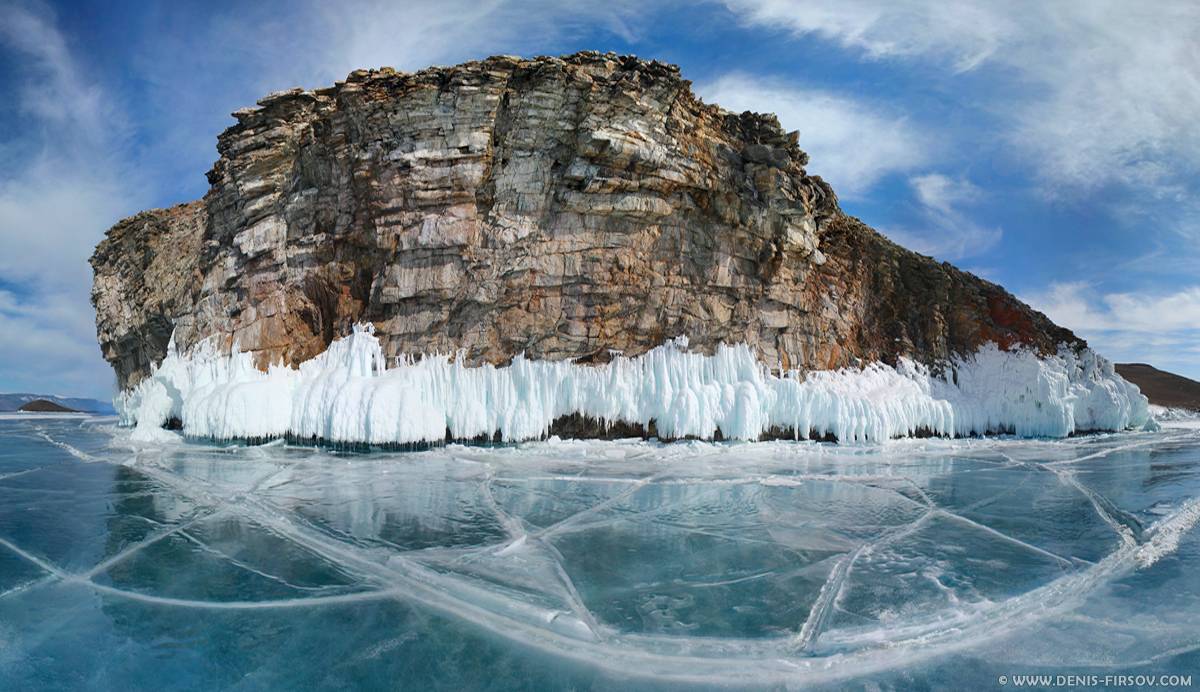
x,y
850,142
1077,305
62,188
51,217
1067,304
49,346
1160,328
1171,312
1109,90
966,34
943,194
57,94
946,231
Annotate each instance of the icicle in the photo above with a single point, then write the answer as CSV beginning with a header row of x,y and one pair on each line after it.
x,y
349,394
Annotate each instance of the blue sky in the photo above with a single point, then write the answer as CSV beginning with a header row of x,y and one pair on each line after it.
x,y
1050,147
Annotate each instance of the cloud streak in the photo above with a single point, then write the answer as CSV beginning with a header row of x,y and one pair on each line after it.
x,y
850,142
1161,328
1105,92
65,184
946,230
964,34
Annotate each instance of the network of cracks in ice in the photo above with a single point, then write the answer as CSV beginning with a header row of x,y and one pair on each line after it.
x,y
554,562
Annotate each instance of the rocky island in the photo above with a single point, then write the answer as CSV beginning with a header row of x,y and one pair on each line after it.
x,y
559,212
45,406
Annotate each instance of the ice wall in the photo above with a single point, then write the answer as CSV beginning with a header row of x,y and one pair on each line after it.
x,y
350,394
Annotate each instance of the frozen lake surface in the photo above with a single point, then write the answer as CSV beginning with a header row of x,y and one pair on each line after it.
x,y
611,565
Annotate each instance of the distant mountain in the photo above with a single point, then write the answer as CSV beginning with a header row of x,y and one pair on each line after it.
x,y
14,402
1161,387
43,406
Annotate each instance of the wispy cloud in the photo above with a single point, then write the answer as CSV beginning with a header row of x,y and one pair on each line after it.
x,y
1108,92
1160,328
57,93
946,229
944,194
65,183
851,142
49,346
963,33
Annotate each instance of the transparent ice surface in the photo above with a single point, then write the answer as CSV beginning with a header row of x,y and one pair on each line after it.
x,y
590,564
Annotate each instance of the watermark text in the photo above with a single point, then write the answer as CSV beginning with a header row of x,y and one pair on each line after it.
x,y
1107,680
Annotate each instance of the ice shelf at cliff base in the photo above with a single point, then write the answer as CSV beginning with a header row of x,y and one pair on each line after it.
x,y
533,217
350,394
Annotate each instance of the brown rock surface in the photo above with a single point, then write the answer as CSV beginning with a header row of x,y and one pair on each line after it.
x,y
558,206
43,406
1162,388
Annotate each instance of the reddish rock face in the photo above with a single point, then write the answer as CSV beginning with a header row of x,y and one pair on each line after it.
x,y
561,207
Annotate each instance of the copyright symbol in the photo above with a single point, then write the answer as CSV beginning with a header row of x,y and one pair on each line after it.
x,y
1003,680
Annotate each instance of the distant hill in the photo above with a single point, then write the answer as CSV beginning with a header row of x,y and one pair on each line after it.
x,y
14,402
43,406
1162,388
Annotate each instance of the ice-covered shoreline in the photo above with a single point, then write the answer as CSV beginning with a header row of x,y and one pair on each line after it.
x,y
350,394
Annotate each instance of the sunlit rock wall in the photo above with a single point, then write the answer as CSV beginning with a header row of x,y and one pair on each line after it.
x,y
557,207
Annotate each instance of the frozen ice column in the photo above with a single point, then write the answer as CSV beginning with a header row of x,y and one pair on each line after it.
x,y
350,394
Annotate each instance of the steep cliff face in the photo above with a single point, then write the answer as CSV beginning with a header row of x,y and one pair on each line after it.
x,y
560,207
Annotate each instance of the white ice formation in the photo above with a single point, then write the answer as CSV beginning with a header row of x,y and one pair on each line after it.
x,y
350,394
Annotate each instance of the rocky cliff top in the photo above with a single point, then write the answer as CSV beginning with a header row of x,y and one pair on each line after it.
x,y
560,207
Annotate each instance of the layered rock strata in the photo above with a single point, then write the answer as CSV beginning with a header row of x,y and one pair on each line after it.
x,y
564,208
